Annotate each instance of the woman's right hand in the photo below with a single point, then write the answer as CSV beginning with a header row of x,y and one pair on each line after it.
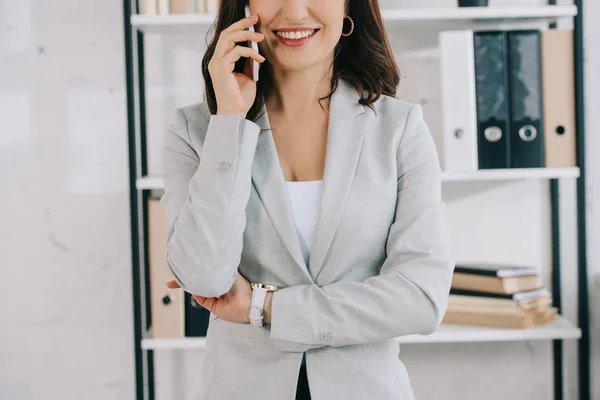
x,y
235,92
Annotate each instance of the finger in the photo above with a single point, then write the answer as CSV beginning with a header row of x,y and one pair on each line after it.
x,y
239,52
173,285
206,302
230,40
241,24
200,300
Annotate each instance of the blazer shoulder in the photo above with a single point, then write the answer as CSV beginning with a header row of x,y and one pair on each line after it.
x,y
401,117
191,122
397,109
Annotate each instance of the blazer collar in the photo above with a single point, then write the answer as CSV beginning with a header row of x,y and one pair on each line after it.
x,y
346,131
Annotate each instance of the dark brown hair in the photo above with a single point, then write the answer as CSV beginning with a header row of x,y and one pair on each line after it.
x,y
364,59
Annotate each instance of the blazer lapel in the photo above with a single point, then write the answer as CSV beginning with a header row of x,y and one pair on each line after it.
x,y
346,132
270,184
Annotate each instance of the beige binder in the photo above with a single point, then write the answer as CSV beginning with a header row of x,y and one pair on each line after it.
x,y
167,305
212,6
182,6
200,6
559,98
148,7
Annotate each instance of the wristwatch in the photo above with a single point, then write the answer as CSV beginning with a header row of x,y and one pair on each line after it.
x,y
257,307
270,288
259,294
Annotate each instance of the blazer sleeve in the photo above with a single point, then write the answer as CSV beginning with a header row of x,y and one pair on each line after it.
x,y
205,196
410,295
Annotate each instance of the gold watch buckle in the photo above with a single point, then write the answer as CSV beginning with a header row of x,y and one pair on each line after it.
x,y
269,288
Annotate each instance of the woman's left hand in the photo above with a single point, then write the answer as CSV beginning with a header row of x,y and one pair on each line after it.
x,y
233,306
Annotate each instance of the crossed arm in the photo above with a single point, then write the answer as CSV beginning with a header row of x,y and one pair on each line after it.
x,y
205,234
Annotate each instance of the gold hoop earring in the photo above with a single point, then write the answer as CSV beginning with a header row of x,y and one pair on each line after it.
x,y
351,26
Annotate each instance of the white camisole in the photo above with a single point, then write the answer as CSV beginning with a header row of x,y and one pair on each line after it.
x,y
305,197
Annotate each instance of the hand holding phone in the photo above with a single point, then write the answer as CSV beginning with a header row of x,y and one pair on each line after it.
x,y
254,45
235,90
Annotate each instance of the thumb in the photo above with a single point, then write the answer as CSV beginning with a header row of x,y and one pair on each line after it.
x,y
173,284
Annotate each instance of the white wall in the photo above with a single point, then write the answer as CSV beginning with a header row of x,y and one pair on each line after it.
x,y
65,315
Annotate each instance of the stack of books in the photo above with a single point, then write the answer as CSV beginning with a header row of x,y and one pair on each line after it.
x,y
498,295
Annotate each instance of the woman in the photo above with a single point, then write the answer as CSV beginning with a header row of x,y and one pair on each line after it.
x,y
316,182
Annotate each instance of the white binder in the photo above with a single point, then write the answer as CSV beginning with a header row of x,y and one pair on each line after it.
x,y
459,101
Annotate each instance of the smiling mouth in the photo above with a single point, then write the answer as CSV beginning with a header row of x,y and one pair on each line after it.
x,y
296,35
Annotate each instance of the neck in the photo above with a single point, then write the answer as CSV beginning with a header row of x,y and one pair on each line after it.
x,y
297,92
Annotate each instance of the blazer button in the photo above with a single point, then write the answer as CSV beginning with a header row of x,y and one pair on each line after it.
x,y
325,336
224,166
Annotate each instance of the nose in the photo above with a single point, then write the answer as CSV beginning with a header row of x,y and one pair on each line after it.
x,y
294,10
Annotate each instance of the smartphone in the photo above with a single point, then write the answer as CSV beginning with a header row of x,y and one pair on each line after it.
x,y
254,45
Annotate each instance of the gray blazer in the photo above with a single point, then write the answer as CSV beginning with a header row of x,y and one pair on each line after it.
x,y
380,267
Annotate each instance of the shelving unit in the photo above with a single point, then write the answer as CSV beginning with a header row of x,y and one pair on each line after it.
x,y
558,329
516,174
136,26
183,22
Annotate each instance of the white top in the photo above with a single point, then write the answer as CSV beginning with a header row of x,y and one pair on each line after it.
x,y
305,197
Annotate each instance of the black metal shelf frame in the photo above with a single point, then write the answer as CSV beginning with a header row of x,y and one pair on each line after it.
x,y
136,127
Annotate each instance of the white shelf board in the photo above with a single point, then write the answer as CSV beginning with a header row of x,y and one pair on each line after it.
x,y
478,13
510,174
506,14
149,183
156,182
560,328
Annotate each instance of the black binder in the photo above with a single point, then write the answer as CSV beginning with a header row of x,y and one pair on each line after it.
x,y
196,318
527,131
492,93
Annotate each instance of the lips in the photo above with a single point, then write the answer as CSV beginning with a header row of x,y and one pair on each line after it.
x,y
295,37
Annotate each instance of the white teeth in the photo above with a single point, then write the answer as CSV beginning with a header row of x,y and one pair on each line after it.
x,y
295,35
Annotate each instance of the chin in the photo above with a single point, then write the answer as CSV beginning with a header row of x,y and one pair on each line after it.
x,y
299,65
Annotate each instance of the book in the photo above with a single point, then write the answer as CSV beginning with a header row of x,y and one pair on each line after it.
x,y
493,284
496,270
526,295
503,320
504,304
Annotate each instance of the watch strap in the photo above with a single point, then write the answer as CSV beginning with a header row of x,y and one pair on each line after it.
x,y
257,307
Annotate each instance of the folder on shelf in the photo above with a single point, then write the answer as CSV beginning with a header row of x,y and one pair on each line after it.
x,y
558,98
166,305
493,99
148,7
164,7
200,6
527,131
211,6
182,6
458,101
